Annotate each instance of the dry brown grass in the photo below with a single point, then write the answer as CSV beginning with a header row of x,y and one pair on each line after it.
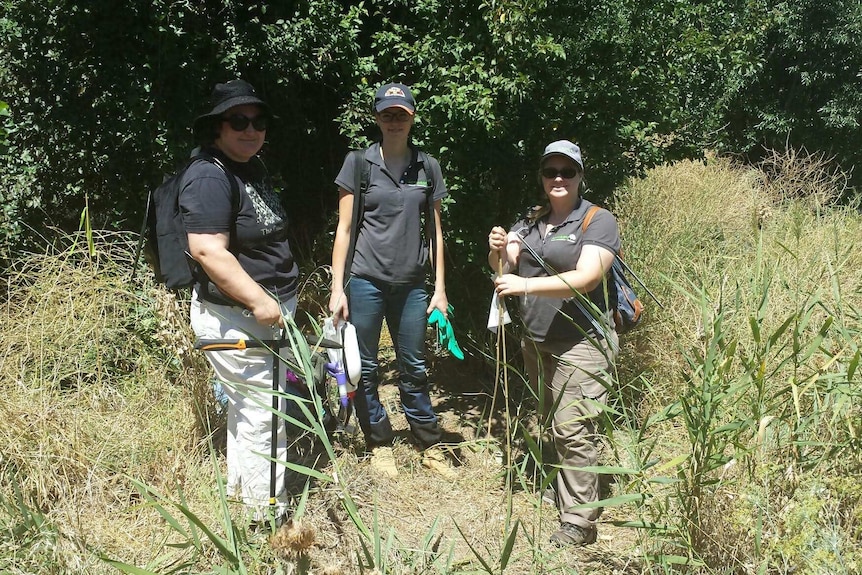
x,y
100,387
87,401
701,226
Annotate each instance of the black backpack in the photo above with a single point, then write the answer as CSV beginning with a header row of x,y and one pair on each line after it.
x,y
163,238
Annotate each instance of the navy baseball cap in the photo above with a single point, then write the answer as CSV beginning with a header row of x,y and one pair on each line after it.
x,y
394,95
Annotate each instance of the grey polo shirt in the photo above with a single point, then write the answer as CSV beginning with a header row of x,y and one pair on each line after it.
x,y
390,245
551,319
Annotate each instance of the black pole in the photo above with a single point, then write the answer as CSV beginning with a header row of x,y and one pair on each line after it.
x,y
276,384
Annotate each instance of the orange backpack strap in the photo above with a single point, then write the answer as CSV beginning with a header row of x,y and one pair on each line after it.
x,y
589,217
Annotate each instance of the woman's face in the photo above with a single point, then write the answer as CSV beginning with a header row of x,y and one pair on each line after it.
x,y
242,130
394,123
561,177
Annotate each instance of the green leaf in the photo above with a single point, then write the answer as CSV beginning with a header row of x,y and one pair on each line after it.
x,y
507,548
613,501
126,568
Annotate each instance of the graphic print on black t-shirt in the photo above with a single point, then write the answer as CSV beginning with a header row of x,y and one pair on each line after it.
x,y
267,206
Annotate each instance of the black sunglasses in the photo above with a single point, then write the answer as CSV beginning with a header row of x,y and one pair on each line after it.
x,y
566,173
238,122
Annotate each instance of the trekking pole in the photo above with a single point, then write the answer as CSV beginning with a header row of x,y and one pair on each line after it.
x,y
233,344
275,346
629,271
273,449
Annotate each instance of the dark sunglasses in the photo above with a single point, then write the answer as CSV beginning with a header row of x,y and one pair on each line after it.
x,y
238,122
565,173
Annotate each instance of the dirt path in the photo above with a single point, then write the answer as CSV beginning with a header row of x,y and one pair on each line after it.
x,y
432,521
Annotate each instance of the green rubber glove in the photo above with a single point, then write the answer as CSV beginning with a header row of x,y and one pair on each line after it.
x,y
445,333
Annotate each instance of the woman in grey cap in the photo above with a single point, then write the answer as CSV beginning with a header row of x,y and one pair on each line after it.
x,y
245,282
568,350
401,193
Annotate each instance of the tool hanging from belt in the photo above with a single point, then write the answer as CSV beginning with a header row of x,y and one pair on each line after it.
x,y
275,345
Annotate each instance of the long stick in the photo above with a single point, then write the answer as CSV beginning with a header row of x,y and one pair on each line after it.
x,y
501,343
629,271
497,362
502,366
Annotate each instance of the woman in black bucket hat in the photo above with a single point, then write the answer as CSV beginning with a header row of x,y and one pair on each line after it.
x,y
246,282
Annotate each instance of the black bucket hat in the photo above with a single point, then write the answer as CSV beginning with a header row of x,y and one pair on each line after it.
x,y
224,97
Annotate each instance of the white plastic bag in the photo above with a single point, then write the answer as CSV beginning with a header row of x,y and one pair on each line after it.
x,y
494,314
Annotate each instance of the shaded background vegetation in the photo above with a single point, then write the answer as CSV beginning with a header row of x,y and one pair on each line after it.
x,y
101,96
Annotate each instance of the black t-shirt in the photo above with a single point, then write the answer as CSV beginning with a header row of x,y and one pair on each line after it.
x,y
259,238
550,319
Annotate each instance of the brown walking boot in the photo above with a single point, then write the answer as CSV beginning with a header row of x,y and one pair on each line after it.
x,y
383,461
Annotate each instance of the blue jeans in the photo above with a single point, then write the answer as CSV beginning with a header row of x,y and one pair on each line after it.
x,y
403,307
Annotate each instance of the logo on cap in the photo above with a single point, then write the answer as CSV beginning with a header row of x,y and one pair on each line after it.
x,y
394,91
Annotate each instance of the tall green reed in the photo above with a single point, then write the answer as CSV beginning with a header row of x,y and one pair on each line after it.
x,y
230,540
791,374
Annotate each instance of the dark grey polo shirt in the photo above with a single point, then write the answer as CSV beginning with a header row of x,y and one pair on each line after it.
x,y
551,319
390,245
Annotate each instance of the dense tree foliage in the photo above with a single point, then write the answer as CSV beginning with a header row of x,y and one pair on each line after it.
x,y
807,88
102,95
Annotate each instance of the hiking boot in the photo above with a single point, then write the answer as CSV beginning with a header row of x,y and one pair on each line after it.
x,y
575,535
549,496
434,459
383,461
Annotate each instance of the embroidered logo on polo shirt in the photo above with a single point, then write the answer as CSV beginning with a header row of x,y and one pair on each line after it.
x,y
571,238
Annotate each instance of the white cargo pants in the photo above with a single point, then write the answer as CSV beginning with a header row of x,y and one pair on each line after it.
x,y
247,378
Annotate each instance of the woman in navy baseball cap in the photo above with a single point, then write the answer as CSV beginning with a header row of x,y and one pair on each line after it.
x,y
389,209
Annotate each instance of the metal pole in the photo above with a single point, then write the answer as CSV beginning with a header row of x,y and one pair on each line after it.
x,y
276,384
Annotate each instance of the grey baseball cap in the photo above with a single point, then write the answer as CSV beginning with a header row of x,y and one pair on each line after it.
x,y
563,148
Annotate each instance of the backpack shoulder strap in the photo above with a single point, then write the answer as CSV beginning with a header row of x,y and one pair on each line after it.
x,y
430,223
234,187
234,192
361,176
426,163
589,217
